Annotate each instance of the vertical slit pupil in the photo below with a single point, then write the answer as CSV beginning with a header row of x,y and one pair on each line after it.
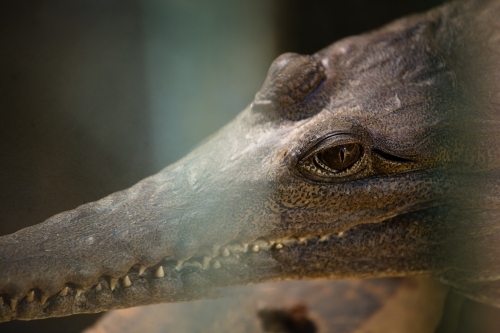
x,y
340,157
342,154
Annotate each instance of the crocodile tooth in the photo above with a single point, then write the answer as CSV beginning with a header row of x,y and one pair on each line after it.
x,y
142,269
215,250
98,287
340,234
323,238
30,297
226,253
255,248
43,299
279,246
112,283
206,262
78,292
178,267
159,272
13,304
245,247
126,281
216,265
64,291
263,244
237,248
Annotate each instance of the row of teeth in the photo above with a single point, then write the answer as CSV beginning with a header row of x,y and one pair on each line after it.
x,y
208,263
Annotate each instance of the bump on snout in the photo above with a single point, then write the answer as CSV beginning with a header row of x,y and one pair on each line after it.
x,y
290,82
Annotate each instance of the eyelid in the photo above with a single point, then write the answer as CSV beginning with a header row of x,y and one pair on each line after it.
x,y
391,157
330,141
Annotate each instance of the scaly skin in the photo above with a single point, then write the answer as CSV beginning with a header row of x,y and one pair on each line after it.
x,y
413,107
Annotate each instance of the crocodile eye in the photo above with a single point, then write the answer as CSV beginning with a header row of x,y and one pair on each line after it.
x,y
335,157
338,158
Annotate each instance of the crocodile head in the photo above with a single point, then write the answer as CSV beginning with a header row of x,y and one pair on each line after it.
x,y
353,162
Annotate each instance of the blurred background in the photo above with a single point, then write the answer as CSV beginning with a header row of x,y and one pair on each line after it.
x,y
98,94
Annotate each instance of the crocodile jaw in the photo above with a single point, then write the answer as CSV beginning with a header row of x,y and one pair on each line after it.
x,y
206,222
242,208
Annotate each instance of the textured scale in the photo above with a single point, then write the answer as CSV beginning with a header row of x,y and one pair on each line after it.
x,y
260,201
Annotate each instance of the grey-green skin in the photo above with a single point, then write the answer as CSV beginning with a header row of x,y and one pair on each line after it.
x,y
420,97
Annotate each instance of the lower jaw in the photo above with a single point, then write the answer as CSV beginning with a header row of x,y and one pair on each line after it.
x,y
357,252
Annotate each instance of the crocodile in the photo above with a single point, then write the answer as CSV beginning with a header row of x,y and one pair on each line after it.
x,y
375,157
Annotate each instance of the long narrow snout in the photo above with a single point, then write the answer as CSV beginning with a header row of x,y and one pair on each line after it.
x,y
374,157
